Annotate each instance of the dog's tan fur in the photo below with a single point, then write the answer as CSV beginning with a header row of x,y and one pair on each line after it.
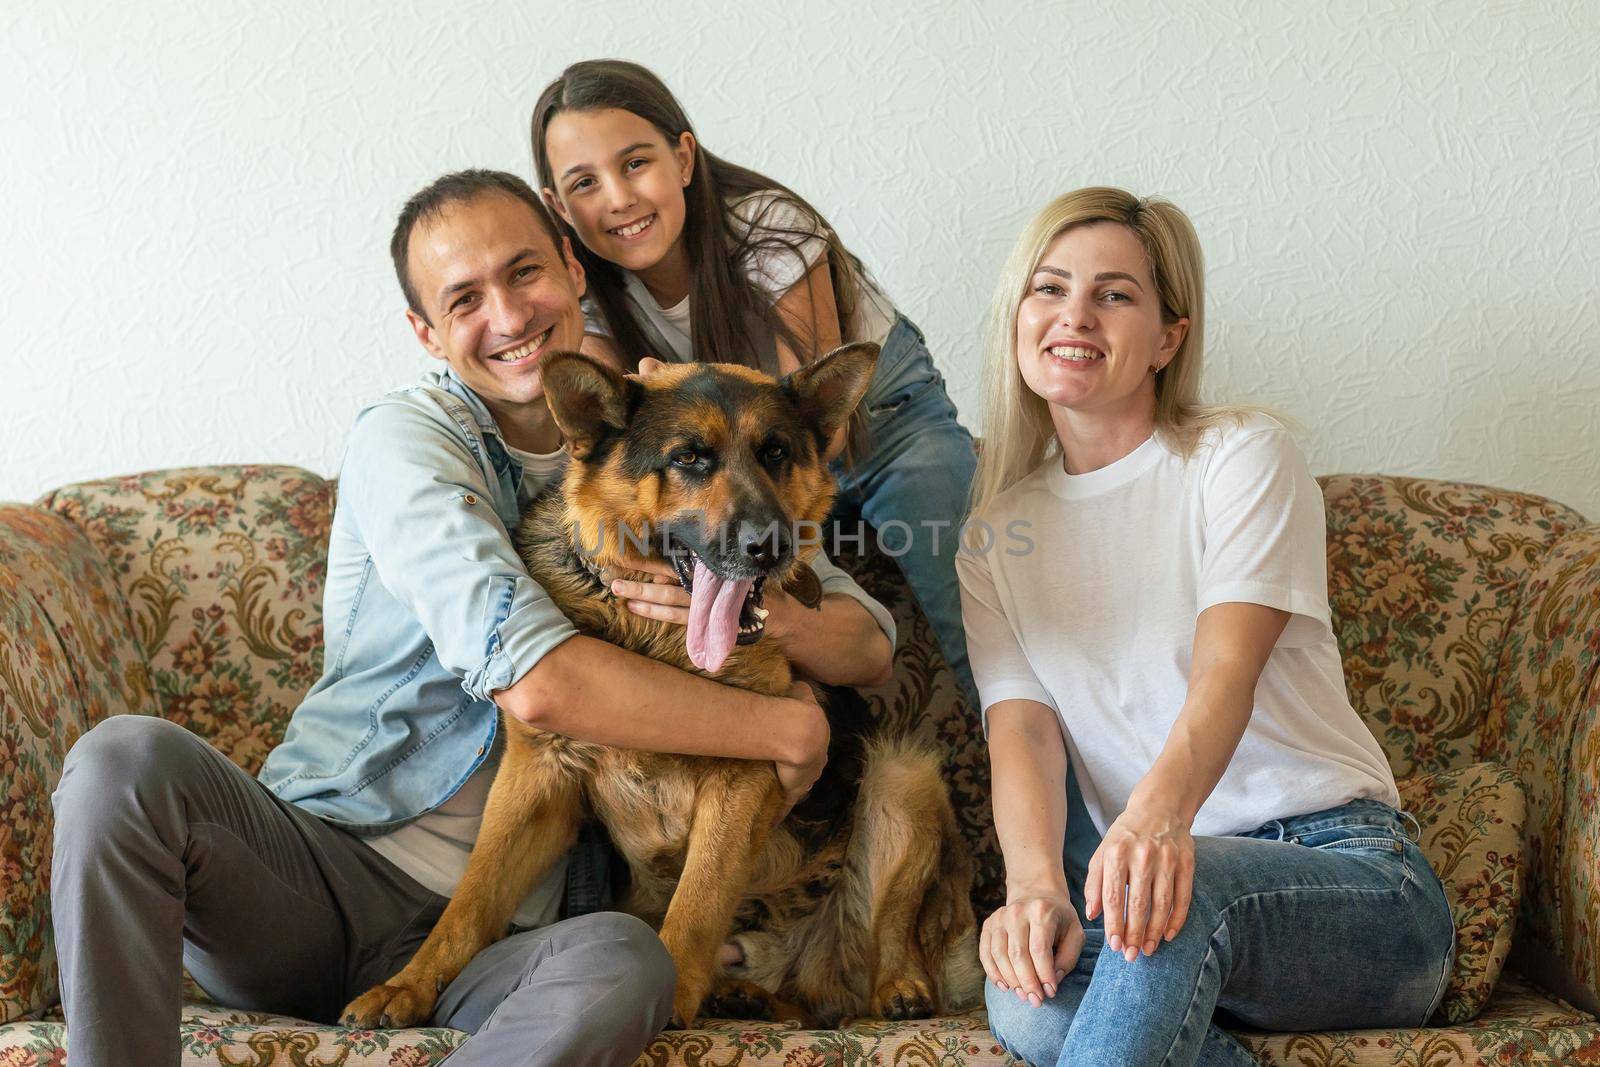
x,y
876,920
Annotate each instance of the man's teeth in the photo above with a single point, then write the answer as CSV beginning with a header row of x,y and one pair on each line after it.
x,y
524,351
1074,353
634,229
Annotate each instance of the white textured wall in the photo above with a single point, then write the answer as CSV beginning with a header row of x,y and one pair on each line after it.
x,y
1399,201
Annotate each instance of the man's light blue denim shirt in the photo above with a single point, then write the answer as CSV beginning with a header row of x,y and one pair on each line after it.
x,y
427,612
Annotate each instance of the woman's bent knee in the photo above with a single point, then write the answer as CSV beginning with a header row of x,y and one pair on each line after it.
x,y
1036,1035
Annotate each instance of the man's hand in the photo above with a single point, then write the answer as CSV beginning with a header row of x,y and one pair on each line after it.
x,y
1031,944
798,775
1142,877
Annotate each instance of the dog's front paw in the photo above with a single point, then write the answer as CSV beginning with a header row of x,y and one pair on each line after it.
x,y
389,1007
902,998
686,1002
735,999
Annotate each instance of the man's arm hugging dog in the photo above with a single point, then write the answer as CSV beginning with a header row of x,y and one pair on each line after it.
x,y
857,902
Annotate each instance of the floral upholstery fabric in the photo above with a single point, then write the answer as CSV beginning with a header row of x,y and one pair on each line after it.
x,y
67,660
1541,723
1469,619
1520,1026
1471,820
1424,578
222,569
921,699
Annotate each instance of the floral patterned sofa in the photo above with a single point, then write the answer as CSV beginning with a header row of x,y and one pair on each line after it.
x,y
1469,619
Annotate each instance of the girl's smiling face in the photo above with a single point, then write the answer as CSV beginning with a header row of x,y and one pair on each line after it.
x,y
619,183
1090,328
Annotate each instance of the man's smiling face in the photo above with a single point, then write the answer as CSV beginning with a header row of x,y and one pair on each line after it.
x,y
498,293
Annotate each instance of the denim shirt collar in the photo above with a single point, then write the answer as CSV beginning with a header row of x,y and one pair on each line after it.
x,y
452,382
493,440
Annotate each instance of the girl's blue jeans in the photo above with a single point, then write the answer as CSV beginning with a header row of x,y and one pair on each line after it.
x,y
1327,921
912,485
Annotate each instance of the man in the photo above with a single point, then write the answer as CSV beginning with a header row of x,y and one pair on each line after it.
x,y
297,893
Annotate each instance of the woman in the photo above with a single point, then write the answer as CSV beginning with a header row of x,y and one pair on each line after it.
x,y
1164,626
691,257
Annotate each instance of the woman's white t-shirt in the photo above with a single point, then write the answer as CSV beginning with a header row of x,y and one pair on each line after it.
x,y
1087,599
785,246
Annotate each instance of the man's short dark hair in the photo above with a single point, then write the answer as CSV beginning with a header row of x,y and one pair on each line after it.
x,y
456,188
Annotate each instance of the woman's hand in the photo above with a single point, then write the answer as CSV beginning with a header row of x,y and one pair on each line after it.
x,y
1031,944
1142,877
663,597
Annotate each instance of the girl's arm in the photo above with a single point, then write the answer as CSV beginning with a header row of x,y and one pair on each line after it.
x,y
808,309
1034,940
1148,852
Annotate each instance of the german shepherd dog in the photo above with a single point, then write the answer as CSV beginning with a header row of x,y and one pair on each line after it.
x,y
858,902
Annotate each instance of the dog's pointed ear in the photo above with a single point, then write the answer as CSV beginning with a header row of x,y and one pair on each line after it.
x,y
829,388
589,399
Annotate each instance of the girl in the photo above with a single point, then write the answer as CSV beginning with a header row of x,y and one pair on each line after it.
x,y
1169,633
690,257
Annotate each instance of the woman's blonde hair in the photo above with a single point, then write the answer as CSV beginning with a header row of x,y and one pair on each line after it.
x,y
1017,432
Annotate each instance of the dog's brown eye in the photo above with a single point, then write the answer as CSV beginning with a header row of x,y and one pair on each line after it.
x,y
685,458
773,455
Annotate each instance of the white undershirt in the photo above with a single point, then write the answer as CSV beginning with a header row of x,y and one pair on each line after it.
x,y
1087,604
434,848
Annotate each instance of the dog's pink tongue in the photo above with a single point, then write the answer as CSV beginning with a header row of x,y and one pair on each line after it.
x,y
714,605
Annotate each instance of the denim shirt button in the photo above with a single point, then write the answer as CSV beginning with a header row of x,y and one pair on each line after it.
x,y
480,750
470,498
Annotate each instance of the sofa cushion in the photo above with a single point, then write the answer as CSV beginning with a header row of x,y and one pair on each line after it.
x,y
1521,1025
1544,723
223,569
1423,579
67,660
1472,821
921,701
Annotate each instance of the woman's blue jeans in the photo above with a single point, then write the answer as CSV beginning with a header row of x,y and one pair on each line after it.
x,y
912,485
1327,921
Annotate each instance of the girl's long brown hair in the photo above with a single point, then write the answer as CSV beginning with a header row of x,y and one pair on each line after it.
x,y
732,321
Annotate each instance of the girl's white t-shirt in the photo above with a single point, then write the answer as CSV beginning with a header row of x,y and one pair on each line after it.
x,y
772,264
1086,602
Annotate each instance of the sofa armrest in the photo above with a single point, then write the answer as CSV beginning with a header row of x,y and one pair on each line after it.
x,y
67,660
1542,723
